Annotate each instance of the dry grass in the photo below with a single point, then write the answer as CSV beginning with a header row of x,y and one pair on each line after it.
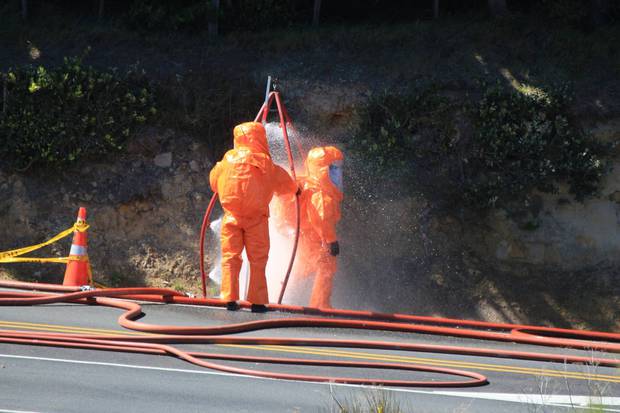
x,y
371,401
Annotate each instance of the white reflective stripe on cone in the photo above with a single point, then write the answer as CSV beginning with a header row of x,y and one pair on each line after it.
x,y
78,250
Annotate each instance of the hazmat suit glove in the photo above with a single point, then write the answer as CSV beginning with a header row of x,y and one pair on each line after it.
x,y
334,248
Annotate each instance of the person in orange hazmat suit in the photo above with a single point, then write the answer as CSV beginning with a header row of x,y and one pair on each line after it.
x,y
245,180
320,199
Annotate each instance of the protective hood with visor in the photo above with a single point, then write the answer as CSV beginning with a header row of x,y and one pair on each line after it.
x,y
335,174
325,168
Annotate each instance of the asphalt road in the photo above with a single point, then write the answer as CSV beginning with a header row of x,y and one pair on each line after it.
x,y
47,379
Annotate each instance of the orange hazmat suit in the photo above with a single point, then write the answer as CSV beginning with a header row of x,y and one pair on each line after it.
x,y
320,201
245,180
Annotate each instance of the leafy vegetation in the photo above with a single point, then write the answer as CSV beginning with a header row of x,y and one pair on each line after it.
x,y
145,15
181,15
525,140
194,16
253,15
521,140
55,116
415,128
395,129
571,12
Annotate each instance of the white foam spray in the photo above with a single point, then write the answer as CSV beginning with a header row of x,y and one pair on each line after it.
x,y
279,257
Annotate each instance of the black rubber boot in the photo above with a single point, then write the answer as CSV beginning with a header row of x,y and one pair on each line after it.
x,y
259,308
232,306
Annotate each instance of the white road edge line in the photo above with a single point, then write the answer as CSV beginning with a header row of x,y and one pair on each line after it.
x,y
576,402
543,399
16,411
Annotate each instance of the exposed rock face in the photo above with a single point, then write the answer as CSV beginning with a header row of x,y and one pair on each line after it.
x,y
163,160
144,212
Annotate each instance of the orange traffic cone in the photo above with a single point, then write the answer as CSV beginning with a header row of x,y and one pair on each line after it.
x,y
78,267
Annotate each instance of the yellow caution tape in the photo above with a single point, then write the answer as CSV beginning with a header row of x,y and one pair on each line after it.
x,y
62,260
13,256
59,260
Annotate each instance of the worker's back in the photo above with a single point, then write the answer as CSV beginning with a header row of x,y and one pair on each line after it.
x,y
246,178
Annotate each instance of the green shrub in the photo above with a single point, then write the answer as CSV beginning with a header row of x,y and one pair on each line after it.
x,y
257,15
507,144
238,15
525,140
571,12
395,129
161,15
54,116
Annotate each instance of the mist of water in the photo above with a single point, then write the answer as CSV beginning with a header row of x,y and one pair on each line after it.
x,y
388,253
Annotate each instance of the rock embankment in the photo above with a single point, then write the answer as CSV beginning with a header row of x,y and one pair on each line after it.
x,y
144,209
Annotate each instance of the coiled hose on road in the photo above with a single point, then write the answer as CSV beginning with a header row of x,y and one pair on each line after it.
x,y
163,336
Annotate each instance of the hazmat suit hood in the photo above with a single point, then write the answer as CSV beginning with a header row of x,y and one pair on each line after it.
x,y
251,135
250,144
321,164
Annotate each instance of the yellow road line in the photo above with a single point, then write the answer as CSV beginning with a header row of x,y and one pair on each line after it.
x,y
338,353
439,363
61,328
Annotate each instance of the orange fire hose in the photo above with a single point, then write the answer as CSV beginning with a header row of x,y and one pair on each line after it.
x,y
159,343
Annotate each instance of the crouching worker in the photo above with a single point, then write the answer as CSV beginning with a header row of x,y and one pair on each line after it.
x,y
245,180
320,201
